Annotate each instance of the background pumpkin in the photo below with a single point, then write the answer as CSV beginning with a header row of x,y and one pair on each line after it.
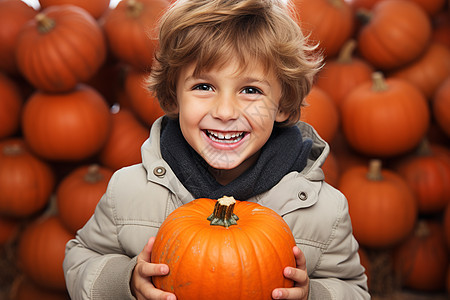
x,y
226,263
422,260
26,182
13,15
141,100
61,47
382,206
69,126
41,252
429,71
25,289
95,8
78,194
127,28
322,113
328,22
10,106
385,48
341,75
441,106
429,177
385,117
123,147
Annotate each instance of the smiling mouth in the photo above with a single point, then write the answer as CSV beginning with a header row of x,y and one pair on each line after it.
x,y
227,138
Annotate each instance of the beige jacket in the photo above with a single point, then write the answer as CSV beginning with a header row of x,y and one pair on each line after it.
x,y
99,262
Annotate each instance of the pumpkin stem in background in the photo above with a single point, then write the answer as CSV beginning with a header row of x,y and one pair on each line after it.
x,y
422,230
223,212
346,53
13,149
93,174
134,8
337,3
45,24
424,148
378,82
374,173
363,15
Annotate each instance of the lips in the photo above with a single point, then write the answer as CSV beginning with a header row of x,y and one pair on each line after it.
x,y
225,137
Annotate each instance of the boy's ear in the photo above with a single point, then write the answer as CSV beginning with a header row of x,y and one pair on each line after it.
x,y
281,116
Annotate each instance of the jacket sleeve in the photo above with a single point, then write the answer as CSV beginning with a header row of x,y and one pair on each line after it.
x,y
95,265
339,273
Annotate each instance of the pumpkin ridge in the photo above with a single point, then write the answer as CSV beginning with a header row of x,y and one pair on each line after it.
x,y
76,57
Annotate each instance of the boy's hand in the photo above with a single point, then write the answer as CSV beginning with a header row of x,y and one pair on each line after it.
x,y
141,281
300,277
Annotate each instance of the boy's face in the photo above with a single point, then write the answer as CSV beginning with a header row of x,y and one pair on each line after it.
x,y
226,115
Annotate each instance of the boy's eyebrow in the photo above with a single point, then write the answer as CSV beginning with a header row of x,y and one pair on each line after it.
x,y
248,79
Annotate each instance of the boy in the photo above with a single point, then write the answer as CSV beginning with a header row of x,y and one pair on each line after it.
x,y
231,77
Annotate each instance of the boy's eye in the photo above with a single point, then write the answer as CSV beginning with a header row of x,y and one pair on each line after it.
x,y
203,87
251,90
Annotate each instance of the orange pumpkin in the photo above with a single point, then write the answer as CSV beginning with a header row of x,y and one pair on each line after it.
x,y
13,15
322,113
130,29
141,100
382,206
123,147
386,48
432,7
41,252
429,177
385,117
441,29
66,126
331,169
10,106
422,260
226,261
95,8
429,71
61,47
441,106
78,194
341,75
26,182
447,225
24,289
8,230
329,22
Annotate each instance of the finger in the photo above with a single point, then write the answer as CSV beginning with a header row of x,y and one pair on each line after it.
x,y
145,255
290,293
152,293
298,275
149,269
299,258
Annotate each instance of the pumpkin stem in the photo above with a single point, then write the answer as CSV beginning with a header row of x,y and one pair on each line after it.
x,y
93,174
336,3
424,148
12,150
363,15
44,23
223,212
346,53
422,230
378,82
134,8
374,173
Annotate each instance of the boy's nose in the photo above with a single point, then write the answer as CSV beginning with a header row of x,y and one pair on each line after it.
x,y
225,108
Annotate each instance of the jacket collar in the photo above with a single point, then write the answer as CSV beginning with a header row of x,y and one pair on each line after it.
x,y
298,190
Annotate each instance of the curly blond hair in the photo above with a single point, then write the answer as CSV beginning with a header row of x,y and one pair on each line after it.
x,y
211,32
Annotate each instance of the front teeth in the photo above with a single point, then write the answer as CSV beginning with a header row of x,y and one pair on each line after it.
x,y
225,138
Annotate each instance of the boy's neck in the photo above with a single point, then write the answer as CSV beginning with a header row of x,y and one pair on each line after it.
x,y
225,176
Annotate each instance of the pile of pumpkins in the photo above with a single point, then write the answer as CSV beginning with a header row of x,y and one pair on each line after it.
x,y
74,108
